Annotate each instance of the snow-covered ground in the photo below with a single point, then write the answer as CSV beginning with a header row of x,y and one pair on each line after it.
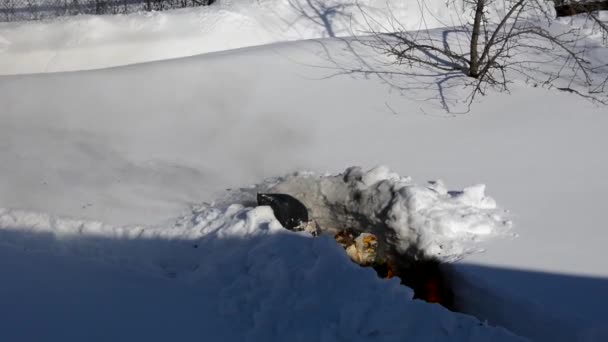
x,y
105,174
244,279
592,27
90,42
87,42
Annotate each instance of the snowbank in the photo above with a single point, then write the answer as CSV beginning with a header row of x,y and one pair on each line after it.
x,y
482,292
425,219
588,26
421,219
92,42
268,282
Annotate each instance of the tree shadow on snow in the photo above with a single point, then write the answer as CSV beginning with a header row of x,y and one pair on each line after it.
x,y
444,92
365,56
321,13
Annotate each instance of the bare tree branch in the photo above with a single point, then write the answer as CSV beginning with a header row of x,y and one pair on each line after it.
x,y
521,42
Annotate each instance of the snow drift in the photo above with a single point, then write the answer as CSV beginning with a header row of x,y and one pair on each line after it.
x,y
269,282
92,42
424,219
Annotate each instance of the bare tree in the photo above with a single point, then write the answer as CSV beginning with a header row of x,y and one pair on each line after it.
x,y
497,40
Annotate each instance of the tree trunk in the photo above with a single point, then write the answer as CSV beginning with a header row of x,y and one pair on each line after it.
x,y
474,62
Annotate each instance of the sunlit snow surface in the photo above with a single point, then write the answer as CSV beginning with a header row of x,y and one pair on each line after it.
x,y
92,42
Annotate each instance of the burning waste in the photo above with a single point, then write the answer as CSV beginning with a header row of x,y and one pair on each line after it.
x,y
423,276
386,222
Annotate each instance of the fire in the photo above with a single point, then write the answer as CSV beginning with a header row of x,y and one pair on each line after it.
x,y
422,275
432,294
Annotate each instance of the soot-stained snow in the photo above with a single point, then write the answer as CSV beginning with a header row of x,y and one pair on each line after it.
x,y
427,219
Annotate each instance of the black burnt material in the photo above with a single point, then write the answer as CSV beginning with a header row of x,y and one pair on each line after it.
x,y
290,212
422,274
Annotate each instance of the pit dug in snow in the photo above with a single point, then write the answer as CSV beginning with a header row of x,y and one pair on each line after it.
x,y
387,222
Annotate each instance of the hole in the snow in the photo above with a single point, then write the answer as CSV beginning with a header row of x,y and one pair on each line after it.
x,y
416,271
403,229
423,275
427,279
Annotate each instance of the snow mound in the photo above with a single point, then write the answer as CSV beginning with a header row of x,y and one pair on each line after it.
x,y
272,287
426,220
588,26
421,220
92,42
270,282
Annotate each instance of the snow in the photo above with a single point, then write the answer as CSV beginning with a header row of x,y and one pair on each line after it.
x,y
88,42
233,264
97,165
588,26
439,224
91,42
503,295
439,229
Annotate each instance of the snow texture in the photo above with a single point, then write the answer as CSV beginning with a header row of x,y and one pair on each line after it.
x,y
441,223
487,297
91,42
425,220
127,149
269,283
588,26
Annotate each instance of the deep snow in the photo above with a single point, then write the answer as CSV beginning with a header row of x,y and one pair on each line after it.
x,y
90,42
437,223
156,151
242,275
137,146
425,219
